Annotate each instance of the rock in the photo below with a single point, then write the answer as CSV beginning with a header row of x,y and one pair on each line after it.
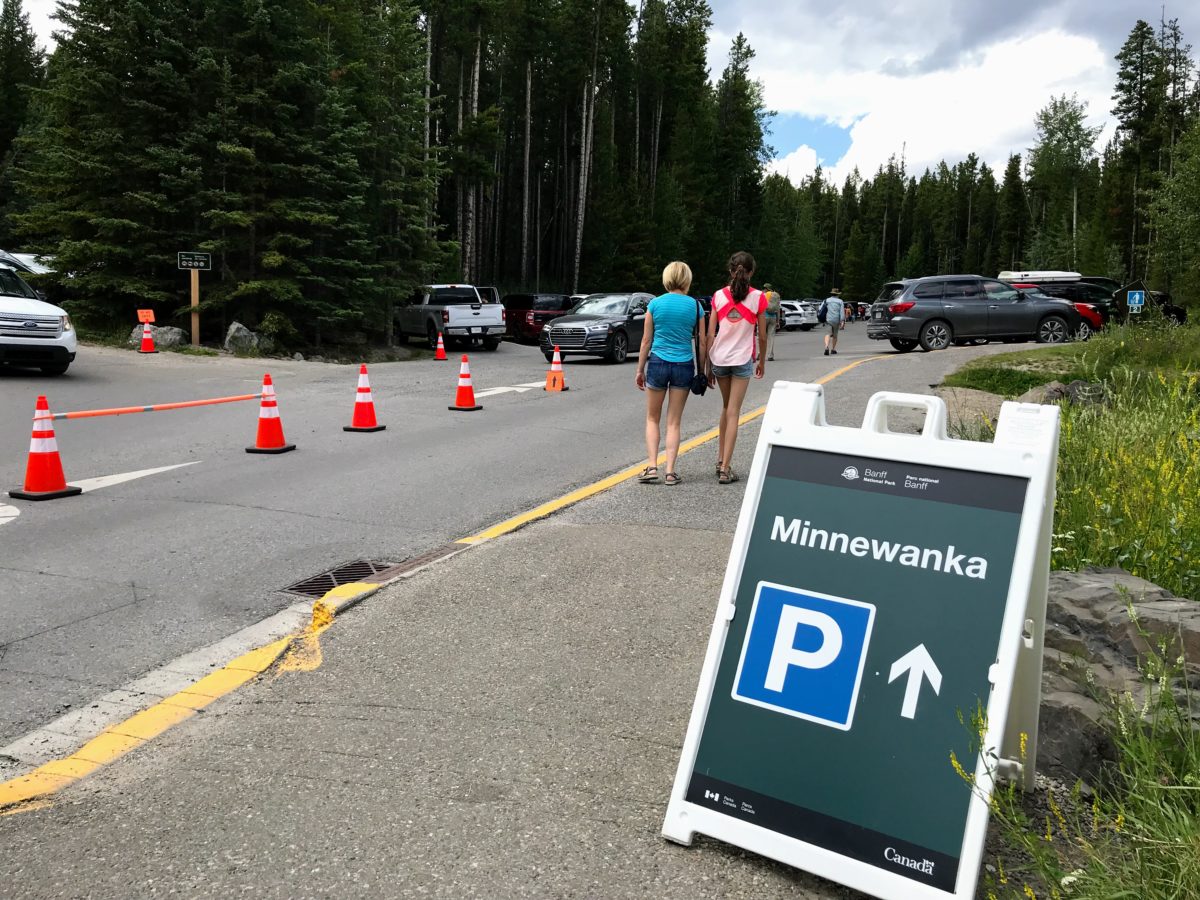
x,y
1100,625
1077,393
1046,393
298,357
164,336
968,409
241,340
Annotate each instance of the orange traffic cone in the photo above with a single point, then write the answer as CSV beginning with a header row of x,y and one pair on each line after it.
x,y
364,406
555,379
270,429
464,400
44,479
147,340
441,348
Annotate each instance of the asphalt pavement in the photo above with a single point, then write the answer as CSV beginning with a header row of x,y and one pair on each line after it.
x,y
505,723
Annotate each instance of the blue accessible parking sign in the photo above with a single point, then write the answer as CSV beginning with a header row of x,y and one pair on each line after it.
x,y
804,653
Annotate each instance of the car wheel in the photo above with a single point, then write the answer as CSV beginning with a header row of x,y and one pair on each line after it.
x,y
806,328
58,369
1052,330
619,351
936,335
1085,331
491,344
431,336
902,344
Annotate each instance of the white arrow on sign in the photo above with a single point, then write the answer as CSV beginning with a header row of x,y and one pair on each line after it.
x,y
492,392
918,664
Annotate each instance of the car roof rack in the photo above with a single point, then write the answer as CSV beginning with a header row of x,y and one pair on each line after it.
x,y
1040,276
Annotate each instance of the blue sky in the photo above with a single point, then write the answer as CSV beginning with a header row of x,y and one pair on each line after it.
x,y
792,130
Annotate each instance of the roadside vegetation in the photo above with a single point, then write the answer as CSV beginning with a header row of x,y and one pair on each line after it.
x,y
1128,489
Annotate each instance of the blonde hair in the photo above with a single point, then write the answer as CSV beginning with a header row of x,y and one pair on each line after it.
x,y
677,276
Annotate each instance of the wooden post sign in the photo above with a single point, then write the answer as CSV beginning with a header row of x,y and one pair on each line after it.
x,y
875,661
195,263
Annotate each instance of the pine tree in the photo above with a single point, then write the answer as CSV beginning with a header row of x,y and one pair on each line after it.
x,y
22,65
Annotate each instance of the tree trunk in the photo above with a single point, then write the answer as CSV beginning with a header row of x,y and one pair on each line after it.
x,y
458,181
525,177
581,207
658,110
471,230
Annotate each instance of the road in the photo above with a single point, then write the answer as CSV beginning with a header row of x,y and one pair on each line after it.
x,y
98,589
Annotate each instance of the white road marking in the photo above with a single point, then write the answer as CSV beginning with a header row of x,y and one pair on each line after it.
x,y
533,384
92,484
492,392
8,513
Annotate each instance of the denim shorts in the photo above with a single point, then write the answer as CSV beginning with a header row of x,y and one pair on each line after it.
x,y
661,374
745,370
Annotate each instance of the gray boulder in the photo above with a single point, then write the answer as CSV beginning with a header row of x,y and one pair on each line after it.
x,y
164,336
1100,626
240,340
1077,393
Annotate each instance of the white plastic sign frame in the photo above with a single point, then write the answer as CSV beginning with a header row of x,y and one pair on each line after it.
x,y
1025,445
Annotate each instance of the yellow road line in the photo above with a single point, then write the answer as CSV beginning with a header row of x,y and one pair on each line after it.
x,y
117,740
604,484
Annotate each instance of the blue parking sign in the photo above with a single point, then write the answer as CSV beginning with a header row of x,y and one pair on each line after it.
x,y
804,653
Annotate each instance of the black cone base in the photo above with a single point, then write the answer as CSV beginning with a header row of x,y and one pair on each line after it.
x,y
352,428
284,449
463,408
68,491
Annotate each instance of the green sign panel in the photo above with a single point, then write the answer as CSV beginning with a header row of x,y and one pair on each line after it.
x,y
868,615
202,261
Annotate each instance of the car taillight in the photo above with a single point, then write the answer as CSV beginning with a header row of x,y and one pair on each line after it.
x,y
900,307
445,317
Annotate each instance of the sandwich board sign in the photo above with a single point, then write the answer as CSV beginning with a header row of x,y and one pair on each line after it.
x,y
879,627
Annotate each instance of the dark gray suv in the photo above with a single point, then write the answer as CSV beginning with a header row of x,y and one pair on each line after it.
x,y
941,310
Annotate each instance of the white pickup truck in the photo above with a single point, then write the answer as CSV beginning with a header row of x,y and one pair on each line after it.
x,y
456,311
32,332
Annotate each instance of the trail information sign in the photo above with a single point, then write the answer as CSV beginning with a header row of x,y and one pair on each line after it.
x,y
201,261
881,614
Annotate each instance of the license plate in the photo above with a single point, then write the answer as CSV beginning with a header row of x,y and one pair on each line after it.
x,y
879,314
476,330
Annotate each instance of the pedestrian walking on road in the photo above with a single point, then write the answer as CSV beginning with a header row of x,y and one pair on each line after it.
x,y
736,351
835,319
667,364
773,323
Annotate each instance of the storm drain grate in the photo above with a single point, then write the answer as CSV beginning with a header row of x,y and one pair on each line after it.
x,y
319,585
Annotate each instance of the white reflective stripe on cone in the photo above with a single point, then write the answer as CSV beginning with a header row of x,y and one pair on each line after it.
x,y
363,382
364,398
268,412
43,445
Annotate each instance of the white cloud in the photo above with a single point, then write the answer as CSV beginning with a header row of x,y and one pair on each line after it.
x,y
797,164
40,12
983,102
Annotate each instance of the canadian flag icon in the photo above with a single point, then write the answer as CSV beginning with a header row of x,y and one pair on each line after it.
x,y
711,795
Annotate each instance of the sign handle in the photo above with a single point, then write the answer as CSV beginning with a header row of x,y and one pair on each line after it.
x,y
876,417
195,307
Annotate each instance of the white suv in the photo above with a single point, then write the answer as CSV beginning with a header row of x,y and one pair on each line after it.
x,y
32,332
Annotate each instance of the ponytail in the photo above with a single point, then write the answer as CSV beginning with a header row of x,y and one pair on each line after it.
x,y
741,267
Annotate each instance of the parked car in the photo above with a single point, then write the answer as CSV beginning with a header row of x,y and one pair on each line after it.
x,y
797,315
941,310
602,325
1073,287
1092,318
527,313
33,332
27,262
456,311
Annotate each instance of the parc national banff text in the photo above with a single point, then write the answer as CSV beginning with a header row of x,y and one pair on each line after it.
x,y
947,561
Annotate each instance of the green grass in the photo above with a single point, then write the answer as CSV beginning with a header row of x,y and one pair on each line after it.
x,y
189,350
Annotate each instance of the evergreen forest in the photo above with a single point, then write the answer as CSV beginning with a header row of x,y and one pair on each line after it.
x,y
332,156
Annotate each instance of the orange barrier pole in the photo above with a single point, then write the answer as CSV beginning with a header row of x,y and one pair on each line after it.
x,y
158,407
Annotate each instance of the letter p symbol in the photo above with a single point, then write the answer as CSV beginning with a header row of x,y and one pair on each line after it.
x,y
784,654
